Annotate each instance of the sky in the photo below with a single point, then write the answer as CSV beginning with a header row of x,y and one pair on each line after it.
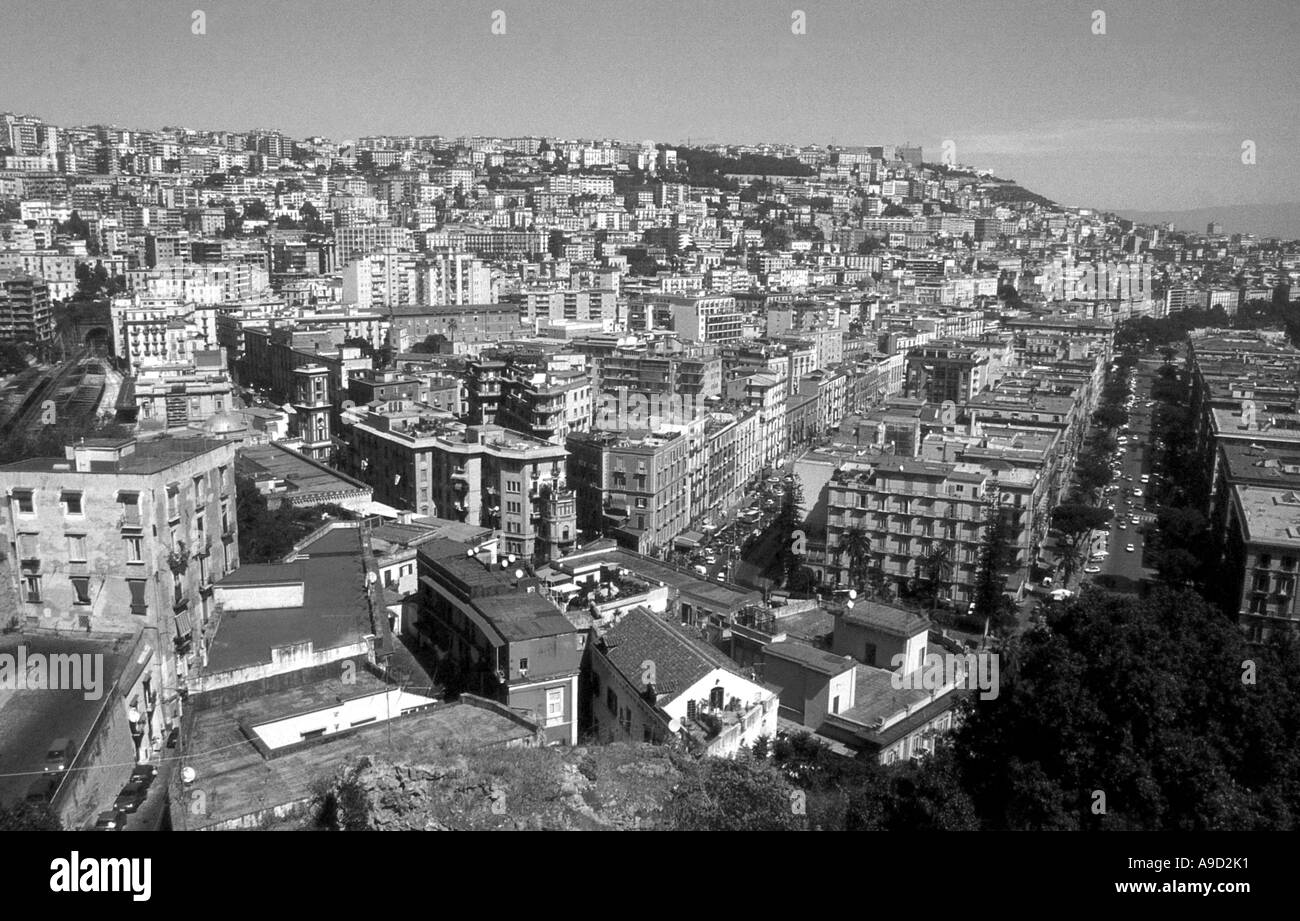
x,y
1151,115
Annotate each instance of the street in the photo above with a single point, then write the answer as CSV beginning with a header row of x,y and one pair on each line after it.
x,y
1122,570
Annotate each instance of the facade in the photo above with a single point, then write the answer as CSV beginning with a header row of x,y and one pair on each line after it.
x,y
632,486
486,617
123,537
651,682
25,312
1260,561
478,474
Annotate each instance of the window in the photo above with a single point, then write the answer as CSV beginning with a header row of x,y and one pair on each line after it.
x,y
554,704
77,548
178,591
25,499
130,509
81,588
138,603
523,664
72,503
512,486
225,516
835,704
611,700
27,548
134,549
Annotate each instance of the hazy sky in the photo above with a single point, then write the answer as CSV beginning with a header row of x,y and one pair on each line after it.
x,y
1151,115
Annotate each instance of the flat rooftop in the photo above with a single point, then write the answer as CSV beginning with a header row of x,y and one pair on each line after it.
x,y
335,611
237,780
149,456
1271,515
302,476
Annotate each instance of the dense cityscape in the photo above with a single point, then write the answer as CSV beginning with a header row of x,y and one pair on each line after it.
x,y
490,482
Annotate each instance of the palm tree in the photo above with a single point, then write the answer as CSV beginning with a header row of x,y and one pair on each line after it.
x,y
855,555
935,566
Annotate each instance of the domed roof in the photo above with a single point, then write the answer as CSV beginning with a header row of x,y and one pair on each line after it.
x,y
223,423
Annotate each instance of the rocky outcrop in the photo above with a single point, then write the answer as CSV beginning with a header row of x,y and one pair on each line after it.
x,y
614,787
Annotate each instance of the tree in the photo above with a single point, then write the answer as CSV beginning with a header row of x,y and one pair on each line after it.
x,y
935,566
265,534
718,794
1145,701
996,553
23,816
855,556
1075,521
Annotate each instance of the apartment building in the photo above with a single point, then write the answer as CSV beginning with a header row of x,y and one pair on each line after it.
x,y
502,636
1262,549
632,486
479,474
124,536
25,311
906,507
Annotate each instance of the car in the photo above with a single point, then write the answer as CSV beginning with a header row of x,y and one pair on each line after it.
x,y
700,569
1128,548
59,755
1145,478
1137,494
1092,570
1122,525
132,795
110,820
144,773
721,576
1047,581
42,790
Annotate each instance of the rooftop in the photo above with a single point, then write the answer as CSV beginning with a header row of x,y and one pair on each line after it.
x,y
1271,516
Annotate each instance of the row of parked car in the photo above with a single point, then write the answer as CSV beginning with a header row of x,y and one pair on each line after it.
x,y
129,800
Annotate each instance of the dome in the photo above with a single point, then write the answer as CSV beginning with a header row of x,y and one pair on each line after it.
x,y
223,423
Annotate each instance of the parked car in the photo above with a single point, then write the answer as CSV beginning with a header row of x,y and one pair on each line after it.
x,y
1129,548
721,576
1092,570
110,820
700,569
144,773
59,755
42,790
132,795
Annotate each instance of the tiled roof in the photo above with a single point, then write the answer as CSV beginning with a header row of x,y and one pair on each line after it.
x,y
679,660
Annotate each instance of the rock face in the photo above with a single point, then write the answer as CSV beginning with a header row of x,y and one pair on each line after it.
x,y
614,787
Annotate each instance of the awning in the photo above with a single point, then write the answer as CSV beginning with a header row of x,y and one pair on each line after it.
x,y
688,540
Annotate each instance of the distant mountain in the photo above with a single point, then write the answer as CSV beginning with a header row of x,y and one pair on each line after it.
x,y
1272,220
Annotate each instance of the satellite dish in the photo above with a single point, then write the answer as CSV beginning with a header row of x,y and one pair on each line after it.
x,y
133,715
470,552
372,577
849,605
674,725
853,593
511,559
188,774
519,573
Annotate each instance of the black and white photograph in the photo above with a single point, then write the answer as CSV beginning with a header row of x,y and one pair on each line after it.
x,y
684,416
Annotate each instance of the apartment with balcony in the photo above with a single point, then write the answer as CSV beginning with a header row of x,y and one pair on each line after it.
x,y
1260,559
123,536
907,507
420,461
490,620
632,486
